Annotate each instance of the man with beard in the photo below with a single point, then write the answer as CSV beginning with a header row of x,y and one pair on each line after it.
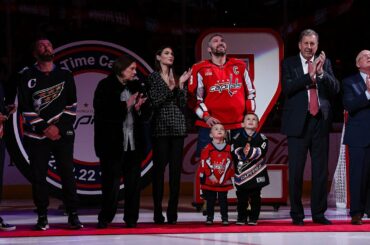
x,y
220,91
308,83
48,103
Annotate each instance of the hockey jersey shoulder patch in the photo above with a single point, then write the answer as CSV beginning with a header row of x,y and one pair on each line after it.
x,y
263,136
23,70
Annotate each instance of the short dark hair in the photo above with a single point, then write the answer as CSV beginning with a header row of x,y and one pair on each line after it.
x,y
254,114
308,32
121,63
36,40
214,35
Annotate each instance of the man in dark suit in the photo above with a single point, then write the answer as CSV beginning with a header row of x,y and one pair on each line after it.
x,y
356,100
308,82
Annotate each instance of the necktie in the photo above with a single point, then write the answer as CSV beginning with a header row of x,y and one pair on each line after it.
x,y
314,102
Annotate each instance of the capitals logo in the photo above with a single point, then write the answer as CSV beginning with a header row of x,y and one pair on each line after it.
x,y
43,98
89,61
228,86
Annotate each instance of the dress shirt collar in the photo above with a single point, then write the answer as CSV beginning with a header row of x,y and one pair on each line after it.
x,y
363,75
303,60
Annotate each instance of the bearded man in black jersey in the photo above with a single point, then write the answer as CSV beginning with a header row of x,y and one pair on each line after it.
x,y
48,103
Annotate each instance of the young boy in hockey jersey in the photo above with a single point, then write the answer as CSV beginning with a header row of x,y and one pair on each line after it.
x,y
216,171
248,150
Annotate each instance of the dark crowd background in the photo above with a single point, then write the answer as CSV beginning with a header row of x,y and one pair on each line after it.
x,y
144,25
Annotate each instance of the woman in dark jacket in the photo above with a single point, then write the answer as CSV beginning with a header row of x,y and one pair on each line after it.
x,y
119,110
168,98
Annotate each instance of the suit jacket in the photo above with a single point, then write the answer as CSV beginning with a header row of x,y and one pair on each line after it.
x,y
109,115
357,132
2,96
294,87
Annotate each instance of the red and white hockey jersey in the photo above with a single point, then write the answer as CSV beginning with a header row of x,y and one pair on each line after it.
x,y
217,164
223,92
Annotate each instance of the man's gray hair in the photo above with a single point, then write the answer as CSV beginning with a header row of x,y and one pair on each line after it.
x,y
308,32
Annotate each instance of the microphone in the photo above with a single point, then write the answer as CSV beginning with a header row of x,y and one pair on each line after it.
x,y
143,89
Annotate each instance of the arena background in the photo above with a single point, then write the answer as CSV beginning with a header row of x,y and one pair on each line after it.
x,y
142,26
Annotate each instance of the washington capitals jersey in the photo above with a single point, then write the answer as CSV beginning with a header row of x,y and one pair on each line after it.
x,y
250,166
219,164
47,98
223,92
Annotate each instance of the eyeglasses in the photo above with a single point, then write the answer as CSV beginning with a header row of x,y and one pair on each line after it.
x,y
367,55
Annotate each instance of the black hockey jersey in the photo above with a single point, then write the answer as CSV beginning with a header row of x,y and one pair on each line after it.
x,y
47,98
250,167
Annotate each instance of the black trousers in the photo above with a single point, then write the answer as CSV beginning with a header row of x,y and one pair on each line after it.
x,y
39,155
359,176
316,142
211,197
113,167
252,197
367,208
2,158
167,150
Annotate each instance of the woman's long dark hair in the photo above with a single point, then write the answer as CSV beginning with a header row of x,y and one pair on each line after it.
x,y
157,64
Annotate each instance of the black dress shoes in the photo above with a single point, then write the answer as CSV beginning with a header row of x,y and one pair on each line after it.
x,y
131,225
356,219
172,222
322,220
159,219
297,222
102,224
